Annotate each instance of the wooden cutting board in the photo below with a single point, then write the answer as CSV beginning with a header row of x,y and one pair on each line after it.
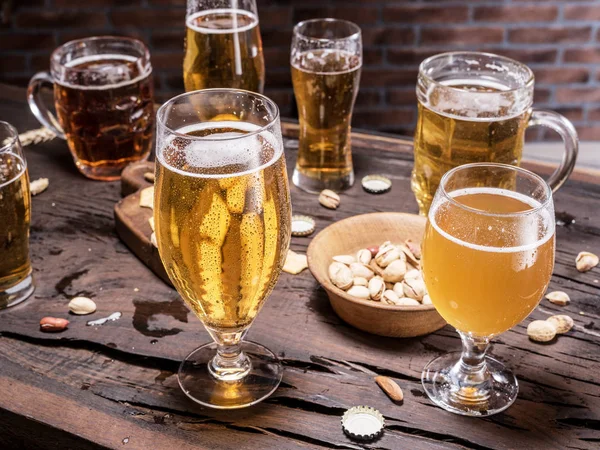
x,y
131,220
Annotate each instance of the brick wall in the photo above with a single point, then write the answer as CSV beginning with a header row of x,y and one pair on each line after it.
x,y
560,40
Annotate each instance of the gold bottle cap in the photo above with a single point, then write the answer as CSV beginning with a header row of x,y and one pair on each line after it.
x,y
302,225
363,423
376,184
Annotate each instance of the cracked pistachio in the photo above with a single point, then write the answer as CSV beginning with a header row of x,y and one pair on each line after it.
x,y
360,281
340,275
390,297
329,199
345,259
586,261
360,270
376,288
364,256
387,254
395,271
414,288
359,292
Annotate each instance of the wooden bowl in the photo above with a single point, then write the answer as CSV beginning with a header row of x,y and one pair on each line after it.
x,y
348,236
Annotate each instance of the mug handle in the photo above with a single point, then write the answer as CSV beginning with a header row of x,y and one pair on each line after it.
x,y
567,132
37,106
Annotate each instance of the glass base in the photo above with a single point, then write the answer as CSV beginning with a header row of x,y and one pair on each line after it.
x,y
445,389
315,185
107,171
197,381
18,293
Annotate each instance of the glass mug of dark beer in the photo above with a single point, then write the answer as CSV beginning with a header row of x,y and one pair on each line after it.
x,y
16,283
475,107
103,95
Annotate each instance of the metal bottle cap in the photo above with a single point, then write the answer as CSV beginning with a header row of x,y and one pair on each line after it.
x,y
363,423
302,225
376,184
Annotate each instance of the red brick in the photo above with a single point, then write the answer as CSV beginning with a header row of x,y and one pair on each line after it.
x,y
274,17
278,78
412,56
589,12
582,55
147,18
577,95
419,14
93,3
163,40
29,41
167,60
367,98
181,3
58,19
277,38
462,35
588,133
16,80
574,114
12,63
527,55
372,56
388,77
66,36
378,118
514,13
541,95
561,75
277,57
594,115
407,96
357,14
388,36
544,35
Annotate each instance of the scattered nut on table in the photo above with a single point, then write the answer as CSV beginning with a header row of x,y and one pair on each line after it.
x,y
390,387
383,273
149,176
329,199
295,263
38,186
561,322
53,324
586,261
147,197
558,298
82,306
541,331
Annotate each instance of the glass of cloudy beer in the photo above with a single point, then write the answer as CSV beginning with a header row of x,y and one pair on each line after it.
x,y
16,282
222,213
103,94
326,61
488,255
475,107
223,48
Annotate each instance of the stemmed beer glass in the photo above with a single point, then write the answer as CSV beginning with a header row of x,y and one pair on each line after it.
x,y
222,213
488,256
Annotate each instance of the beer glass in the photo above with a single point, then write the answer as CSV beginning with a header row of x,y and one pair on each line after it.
x,y
475,107
326,61
223,48
222,213
103,94
488,255
16,282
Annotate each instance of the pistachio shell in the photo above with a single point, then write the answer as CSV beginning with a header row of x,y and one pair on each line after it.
x,y
376,288
426,300
562,322
364,256
390,297
395,271
329,199
360,281
405,301
414,288
558,298
414,248
399,289
360,270
413,273
586,261
541,331
386,255
344,259
340,275
82,306
359,292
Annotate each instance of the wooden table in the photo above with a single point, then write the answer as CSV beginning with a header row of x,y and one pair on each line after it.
x,y
114,386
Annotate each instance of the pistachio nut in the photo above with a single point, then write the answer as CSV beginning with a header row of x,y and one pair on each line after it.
x,y
405,301
426,300
395,271
359,292
345,259
340,275
562,322
399,289
414,288
413,273
409,255
390,297
364,256
376,288
329,199
360,281
375,267
386,255
414,248
360,270
586,261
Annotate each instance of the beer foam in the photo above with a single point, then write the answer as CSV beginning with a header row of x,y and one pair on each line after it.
x,y
302,61
544,213
190,21
106,72
4,169
220,150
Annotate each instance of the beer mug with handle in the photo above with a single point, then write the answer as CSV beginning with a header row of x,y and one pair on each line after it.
x,y
103,94
475,107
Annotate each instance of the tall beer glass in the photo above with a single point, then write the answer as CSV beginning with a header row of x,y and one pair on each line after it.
x,y
222,212
488,255
326,61
475,107
223,48
16,283
103,93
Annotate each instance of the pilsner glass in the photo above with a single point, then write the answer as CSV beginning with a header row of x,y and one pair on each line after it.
x,y
326,61
104,98
223,48
475,107
488,255
16,282
222,213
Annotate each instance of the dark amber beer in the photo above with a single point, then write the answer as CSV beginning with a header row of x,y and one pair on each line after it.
x,y
326,61
103,94
15,215
223,48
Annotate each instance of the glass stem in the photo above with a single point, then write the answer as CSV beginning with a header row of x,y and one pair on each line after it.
x,y
230,363
470,374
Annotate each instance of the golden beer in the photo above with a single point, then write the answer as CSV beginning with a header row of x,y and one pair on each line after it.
x,y
444,140
486,273
325,85
223,230
223,48
15,209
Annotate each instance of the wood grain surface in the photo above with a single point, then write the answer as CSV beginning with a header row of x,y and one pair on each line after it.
x,y
114,386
